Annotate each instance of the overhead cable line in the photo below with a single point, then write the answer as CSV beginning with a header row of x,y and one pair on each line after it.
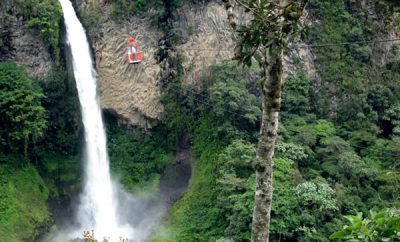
x,y
200,49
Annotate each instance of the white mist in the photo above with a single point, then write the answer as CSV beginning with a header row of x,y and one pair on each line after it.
x,y
98,207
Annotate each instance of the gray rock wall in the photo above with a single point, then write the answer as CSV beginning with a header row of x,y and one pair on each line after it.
x,y
133,91
22,45
207,38
129,90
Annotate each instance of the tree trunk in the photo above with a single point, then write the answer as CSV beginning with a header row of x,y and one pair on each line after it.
x,y
26,139
271,89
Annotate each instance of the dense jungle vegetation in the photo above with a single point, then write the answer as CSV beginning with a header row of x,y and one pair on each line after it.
x,y
337,153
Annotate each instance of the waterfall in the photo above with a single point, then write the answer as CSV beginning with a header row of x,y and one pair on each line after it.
x,y
98,207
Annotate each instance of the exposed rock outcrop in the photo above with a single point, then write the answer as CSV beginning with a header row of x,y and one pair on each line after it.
x,y
84,5
387,30
206,38
129,90
22,45
133,91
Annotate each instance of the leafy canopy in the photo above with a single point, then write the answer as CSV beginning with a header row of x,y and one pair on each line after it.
x,y
44,16
21,115
271,27
378,226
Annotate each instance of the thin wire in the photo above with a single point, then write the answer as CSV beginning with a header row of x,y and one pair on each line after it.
x,y
216,50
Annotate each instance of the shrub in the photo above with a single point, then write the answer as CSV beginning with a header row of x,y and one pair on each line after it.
x,y
44,16
378,226
21,115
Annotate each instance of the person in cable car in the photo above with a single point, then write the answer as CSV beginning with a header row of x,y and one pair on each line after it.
x,y
133,53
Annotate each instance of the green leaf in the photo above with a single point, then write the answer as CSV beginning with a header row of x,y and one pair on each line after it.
x,y
340,234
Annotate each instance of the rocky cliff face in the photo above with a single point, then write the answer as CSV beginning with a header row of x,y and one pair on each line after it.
x,y
129,90
133,91
84,5
206,36
388,29
20,44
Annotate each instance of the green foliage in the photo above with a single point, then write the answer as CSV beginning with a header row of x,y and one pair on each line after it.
x,y
378,226
22,118
199,215
122,9
290,151
136,158
351,73
296,96
180,117
351,166
60,173
362,138
195,217
58,151
338,148
324,129
230,98
393,116
23,208
356,173
235,187
316,195
90,19
63,131
285,219
228,103
389,188
313,155
300,211
51,122
263,32
24,213
393,153
44,16
330,154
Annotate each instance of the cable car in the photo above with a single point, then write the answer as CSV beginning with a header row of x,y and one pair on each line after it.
x,y
133,53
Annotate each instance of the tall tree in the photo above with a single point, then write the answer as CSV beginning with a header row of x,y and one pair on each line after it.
x,y
22,116
273,25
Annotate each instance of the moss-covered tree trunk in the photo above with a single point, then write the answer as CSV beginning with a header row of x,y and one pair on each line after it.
x,y
274,23
271,89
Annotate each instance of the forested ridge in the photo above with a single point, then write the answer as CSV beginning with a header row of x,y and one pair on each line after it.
x,y
337,153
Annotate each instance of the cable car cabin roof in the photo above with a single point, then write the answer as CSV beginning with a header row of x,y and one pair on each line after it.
x,y
133,54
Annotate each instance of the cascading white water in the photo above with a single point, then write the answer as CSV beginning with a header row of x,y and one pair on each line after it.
x,y
98,208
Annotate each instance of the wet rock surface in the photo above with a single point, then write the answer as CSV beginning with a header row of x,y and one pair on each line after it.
x,y
175,179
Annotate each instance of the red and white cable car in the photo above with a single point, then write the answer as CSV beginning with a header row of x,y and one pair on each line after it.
x,y
133,53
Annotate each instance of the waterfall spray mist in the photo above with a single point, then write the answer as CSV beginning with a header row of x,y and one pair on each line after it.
x,y
98,207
